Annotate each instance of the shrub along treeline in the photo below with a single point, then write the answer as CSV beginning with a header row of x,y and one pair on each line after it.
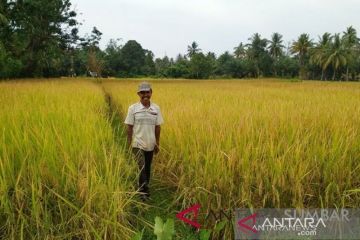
x,y
39,38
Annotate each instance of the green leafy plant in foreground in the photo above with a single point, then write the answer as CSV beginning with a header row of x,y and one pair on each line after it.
x,y
164,231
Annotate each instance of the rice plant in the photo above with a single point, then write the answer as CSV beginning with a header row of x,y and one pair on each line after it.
x,y
62,176
256,143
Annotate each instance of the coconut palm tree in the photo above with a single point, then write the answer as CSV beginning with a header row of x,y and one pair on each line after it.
x,y
301,48
276,49
256,49
338,54
276,46
351,42
319,54
350,36
193,49
240,51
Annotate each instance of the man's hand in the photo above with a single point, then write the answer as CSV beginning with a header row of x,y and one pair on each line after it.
x,y
156,149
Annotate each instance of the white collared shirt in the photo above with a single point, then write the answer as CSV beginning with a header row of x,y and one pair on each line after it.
x,y
144,121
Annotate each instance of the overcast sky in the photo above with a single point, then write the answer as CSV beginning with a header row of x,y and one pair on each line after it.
x,y
168,26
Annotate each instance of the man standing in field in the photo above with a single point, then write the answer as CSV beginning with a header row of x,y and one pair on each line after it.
x,y
143,133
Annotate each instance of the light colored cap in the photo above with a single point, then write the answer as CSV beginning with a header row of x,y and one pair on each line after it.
x,y
144,86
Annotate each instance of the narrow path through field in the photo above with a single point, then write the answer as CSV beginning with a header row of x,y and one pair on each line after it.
x,y
161,202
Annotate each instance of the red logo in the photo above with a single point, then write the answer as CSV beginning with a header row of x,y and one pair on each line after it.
x,y
195,210
245,227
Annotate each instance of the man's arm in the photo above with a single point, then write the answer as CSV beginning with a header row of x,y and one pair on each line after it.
x,y
157,137
129,134
129,121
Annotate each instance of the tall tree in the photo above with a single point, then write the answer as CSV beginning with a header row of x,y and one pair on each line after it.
x,y
240,51
38,32
276,49
338,55
161,65
133,58
256,51
301,48
149,65
113,57
276,45
319,53
95,57
351,42
200,66
193,49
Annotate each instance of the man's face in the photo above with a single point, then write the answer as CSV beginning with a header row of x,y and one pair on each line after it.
x,y
145,96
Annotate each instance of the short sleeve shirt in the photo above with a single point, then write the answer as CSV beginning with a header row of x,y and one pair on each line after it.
x,y
144,121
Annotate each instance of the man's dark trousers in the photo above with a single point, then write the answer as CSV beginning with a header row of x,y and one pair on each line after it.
x,y
143,159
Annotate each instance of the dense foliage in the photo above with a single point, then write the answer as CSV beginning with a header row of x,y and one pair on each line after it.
x,y
39,38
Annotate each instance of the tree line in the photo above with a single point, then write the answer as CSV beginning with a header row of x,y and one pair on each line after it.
x,y
40,38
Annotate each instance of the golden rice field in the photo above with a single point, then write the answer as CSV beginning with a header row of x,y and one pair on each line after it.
x,y
61,174
224,144
228,144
